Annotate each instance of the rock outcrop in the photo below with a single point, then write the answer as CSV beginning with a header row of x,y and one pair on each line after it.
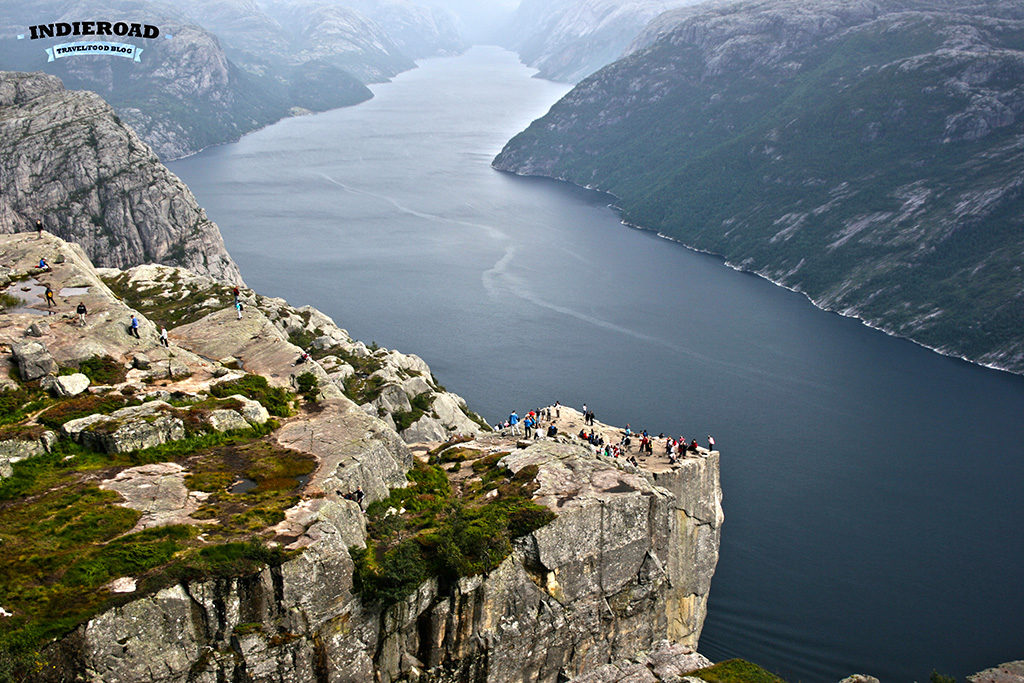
x,y
99,186
1011,672
866,154
270,339
592,588
625,563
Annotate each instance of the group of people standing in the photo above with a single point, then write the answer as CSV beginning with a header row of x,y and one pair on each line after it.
x,y
532,426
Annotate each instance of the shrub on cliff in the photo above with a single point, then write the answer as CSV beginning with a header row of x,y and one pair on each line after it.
x,y
431,529
276,400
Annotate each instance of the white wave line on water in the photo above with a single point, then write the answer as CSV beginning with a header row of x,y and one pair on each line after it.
x,y
517,289
500,270
489,277
492,232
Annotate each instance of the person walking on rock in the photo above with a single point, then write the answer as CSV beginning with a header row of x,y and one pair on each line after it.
x,y
133,329
238,308
50,301
711,443
39,228
513,421
163,337
81,313
235,291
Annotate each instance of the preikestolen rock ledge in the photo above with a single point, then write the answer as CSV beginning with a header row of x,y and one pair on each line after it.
x,y
262,498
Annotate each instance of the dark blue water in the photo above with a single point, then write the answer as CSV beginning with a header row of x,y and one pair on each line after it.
x,y
872,488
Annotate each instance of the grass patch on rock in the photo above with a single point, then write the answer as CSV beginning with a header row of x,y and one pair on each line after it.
x,y
362,388
99,370
64,538
276,400
736,671
436,528
16,404
421,404
83,406
274,474
170,302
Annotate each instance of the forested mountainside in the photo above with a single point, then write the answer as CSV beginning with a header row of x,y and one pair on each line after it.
x,y
867,154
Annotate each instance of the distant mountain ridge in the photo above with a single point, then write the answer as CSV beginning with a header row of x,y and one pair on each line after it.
x,y
567,40
867,154
225,67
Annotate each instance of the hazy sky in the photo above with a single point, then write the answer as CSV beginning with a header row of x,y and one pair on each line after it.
x,y
479,17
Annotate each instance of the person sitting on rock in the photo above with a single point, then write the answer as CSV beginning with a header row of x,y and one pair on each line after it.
x,y
552,430
693,446
43,265
305,357
81,313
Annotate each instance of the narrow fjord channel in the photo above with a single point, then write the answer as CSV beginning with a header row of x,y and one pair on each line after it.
x,y
872,487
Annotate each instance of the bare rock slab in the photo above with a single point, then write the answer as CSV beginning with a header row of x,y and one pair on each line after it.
x,y
158,491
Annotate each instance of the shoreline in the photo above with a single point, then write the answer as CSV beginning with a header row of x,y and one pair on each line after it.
x,y
725,261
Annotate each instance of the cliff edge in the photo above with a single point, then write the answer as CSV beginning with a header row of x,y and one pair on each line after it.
x,y
223,507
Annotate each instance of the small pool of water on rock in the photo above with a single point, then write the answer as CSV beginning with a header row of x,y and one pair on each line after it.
x,y
242,486
73,291
32,293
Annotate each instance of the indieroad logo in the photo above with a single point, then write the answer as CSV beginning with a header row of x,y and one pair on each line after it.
x,y
93,28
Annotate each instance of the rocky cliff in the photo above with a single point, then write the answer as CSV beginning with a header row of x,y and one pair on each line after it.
x,y
72,163
866,154
568,40
198,525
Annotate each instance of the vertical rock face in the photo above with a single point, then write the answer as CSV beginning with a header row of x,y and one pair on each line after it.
x,y
70,162
626,563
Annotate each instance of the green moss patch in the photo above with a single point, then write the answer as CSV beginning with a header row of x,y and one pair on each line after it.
x,y
15,405
435,527
64,538
736,671
362,388
421,404
99,370
83,406
274,475
276,400
170,302
309,386
9,302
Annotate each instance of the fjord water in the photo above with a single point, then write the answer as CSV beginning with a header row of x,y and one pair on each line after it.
x,y
872,488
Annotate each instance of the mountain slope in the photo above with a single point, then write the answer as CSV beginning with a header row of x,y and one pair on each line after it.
x,y
71,162
867,154
567,40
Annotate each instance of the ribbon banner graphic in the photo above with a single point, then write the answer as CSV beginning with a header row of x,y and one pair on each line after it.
x,y
93,48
